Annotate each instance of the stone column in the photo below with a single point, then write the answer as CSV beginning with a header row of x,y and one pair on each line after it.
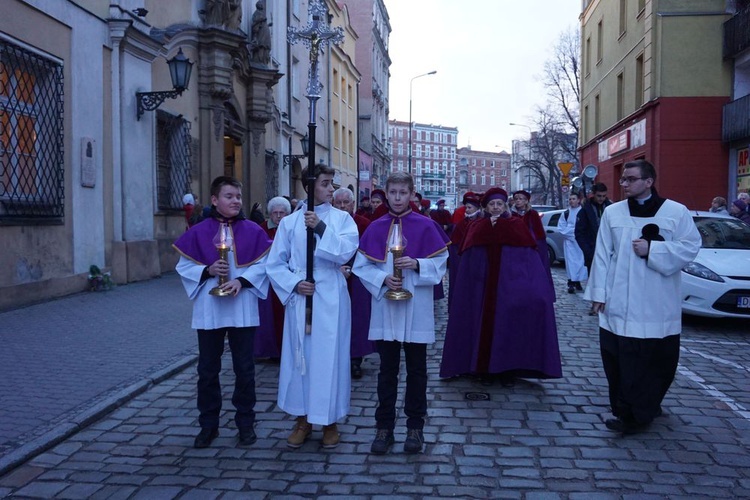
x,y
218,49
260,107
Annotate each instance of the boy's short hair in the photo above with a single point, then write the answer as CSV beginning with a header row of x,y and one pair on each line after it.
x,y
221,181
400,178
320,168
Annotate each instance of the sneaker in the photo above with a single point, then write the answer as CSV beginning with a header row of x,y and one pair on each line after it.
x,y
382,442
300,433
330,437
414,441
205,437
247,436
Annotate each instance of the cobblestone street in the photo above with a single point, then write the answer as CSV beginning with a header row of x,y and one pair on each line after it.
x,y
538,439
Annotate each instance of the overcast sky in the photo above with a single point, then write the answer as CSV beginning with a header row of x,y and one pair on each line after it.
x,y
489,56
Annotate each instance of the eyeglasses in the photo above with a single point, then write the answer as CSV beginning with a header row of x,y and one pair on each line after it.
x,y
629,180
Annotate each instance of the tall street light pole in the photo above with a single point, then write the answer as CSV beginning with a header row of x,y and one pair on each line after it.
x,y
410,122
528,169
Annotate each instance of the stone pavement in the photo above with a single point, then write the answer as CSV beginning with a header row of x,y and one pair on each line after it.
x,y
538,439
65,362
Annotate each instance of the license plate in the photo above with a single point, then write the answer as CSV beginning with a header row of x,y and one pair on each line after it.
x,y
743,302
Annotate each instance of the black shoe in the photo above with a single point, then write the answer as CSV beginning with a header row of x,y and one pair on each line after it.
x,y
247,436
414,441
356,372
625,426
382,442
571,289
205,437
507,380
578,286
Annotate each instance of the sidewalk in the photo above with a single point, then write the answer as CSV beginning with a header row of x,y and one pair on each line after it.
x,y
66,362
536,440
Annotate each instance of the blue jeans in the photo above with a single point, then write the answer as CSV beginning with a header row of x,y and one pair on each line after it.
x,y
415,402
210,350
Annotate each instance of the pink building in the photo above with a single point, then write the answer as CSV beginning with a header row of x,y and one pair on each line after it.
x,y
432,161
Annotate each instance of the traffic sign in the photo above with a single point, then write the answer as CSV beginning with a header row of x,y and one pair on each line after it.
x,y
565,181
565,167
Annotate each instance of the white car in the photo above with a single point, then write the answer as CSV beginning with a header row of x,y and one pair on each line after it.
x,y
717,282
555,239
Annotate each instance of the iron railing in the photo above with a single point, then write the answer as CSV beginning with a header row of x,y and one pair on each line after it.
x,y
736,120
32,169
737,33
173,160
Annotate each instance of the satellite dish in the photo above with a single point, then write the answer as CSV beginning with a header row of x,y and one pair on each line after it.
x,y
577,182
590,171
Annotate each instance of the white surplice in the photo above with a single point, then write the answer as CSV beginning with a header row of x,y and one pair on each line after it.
x,y
211,312
411,320
314,377
642,296
574,264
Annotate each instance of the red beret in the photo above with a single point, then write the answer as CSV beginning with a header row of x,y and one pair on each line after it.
x,y
425,203
473,198
493,194
525,193
378,193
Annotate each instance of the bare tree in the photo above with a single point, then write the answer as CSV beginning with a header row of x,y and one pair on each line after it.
x,y
556,123
549,145
562,77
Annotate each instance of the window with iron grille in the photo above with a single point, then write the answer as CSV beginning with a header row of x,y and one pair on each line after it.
x,y
32,180
173,160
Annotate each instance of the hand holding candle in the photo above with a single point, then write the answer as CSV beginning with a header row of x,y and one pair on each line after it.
x,y
394,282
223,242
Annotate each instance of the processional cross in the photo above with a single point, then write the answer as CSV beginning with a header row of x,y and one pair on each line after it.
x,y
316,35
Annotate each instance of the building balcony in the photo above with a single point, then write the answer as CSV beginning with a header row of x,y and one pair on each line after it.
x,y
737,34
436,177
437,193
736,120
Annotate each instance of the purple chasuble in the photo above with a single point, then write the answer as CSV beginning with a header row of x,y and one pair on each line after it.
x,y
424,238
250,242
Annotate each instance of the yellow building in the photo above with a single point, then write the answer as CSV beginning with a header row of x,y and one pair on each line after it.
x,y
344,82
653,86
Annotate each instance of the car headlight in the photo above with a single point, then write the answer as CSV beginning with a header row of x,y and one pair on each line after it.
x,y
701,271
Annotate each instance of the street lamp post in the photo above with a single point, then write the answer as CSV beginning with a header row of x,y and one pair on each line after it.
x,y
410,122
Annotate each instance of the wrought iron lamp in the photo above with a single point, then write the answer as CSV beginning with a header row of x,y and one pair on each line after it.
x,y
180,68
305,141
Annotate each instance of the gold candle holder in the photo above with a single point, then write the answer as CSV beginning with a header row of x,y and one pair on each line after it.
x,y
223,242
397,245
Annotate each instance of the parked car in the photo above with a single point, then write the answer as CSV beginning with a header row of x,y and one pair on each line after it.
x,y
555,240
717,282
544,208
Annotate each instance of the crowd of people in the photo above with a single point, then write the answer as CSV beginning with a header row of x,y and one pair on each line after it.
x,y
377,271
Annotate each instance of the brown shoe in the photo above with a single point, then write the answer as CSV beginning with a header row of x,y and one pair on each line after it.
x,y
330,436
300,433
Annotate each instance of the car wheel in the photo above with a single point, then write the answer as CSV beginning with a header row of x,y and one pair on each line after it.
x,y
551,255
